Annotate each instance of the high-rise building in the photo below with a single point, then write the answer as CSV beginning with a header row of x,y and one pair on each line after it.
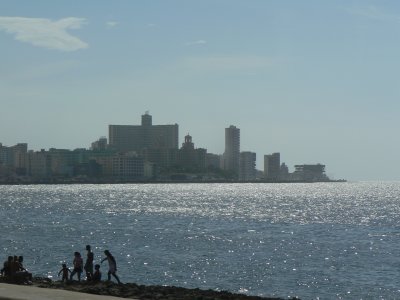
x,y
231,157
247,166
136,138
272,165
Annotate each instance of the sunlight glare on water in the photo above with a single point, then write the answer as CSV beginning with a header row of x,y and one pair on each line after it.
x,y
327,240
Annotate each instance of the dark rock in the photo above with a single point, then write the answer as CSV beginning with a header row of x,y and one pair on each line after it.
x,y
132,290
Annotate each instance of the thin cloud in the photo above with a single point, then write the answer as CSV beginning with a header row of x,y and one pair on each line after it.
x,y
44,32
198,42
111,24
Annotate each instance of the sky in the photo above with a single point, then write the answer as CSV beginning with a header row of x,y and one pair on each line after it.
x,y
317,81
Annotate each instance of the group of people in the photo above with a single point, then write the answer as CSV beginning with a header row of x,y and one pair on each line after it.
x,y
91,275
13,270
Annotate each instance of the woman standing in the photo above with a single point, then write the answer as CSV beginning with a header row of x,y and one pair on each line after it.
x,y
78,264
89,263
112,266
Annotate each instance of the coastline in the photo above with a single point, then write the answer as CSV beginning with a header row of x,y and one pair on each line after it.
x,y
70,182
26,292
112,290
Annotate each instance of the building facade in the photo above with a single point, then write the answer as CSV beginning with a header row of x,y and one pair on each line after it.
x,y
231,156
39,165
213,161
191,159
14,159
127,167
100,144
272,165
247,166
284,172
127,138
310,173
163,158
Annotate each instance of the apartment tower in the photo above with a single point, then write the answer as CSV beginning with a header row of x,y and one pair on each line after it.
x,y
231,157
272,166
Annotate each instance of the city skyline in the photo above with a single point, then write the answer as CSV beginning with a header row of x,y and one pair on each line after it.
x,y
118,140
314,81
148,153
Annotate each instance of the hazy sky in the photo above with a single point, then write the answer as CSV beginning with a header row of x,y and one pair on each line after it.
x,y
317,81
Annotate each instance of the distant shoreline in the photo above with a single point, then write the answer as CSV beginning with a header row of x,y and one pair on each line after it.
x,y
73,182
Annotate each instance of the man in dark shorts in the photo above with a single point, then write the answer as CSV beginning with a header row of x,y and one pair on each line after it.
x,y
89,263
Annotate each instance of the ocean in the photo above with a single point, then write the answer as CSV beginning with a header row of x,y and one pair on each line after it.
x,y
313,241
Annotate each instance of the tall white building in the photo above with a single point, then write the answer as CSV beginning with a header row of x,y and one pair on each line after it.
x,y
231,157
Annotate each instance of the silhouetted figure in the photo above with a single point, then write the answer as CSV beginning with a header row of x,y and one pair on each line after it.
x,y
112,266
22,274
97,274
64,271
15,266
78,263
89,263
6,271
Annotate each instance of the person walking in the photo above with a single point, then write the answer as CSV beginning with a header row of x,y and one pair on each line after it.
x,y
78,262
64,271
112,266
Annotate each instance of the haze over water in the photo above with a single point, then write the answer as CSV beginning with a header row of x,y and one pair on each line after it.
x,y
323,240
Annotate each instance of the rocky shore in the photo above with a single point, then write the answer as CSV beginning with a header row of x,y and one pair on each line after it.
x,y
134,291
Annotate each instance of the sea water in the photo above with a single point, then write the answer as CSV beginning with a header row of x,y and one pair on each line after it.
x,y
314,241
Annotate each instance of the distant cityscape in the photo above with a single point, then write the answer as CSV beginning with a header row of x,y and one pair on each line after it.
x,y
148,153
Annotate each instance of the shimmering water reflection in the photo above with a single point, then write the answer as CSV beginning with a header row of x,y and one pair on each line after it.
x,y
328,240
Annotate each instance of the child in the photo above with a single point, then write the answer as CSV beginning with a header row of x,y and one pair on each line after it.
x,y
64,272
112,266
97,274
78,264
